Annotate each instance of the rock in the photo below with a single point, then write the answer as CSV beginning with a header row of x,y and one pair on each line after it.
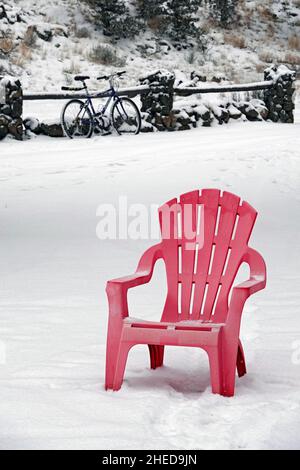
x,y
33,125
249,111
17,108
234,112
260,107
43,32
58,30
15,128
2,12
6,109
198,77
3,131
52,129
4,120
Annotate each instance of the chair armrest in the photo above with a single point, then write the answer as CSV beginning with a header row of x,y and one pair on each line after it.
x,y
116,289
252,285
255,283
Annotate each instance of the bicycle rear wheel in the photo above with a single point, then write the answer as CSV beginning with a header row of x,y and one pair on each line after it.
x,y
126,117
77,120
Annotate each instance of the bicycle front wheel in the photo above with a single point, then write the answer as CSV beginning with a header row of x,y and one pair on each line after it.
x,y
77,120
126,117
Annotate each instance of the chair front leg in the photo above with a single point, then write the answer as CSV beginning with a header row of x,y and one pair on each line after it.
x,y
118,310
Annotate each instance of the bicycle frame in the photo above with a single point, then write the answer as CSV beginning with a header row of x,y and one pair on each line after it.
x,y
113,96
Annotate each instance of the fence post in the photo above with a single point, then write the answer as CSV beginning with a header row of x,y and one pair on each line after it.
x,y
157,103
11,108
280,98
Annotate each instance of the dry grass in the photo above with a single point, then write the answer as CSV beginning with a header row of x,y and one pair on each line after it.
x,y
72,68
30,36
292,59
6,45
294,42
25,51
265,13
260,67
267,57
235,40
24,54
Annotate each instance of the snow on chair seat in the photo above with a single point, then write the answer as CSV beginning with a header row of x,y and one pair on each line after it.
x,y
204,242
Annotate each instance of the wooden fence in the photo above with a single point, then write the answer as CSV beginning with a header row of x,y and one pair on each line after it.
x,y
140,90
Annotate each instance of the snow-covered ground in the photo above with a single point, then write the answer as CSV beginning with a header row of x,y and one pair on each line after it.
x,y
53,271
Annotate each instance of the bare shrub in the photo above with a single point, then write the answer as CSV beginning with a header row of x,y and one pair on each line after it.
x,y
30,36
267,56
105,55
265,13
190,57
6,45
82,32
294,42
25,51
260,67
292,59
235,40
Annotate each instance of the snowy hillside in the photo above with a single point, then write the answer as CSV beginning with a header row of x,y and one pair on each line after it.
x,y
46,42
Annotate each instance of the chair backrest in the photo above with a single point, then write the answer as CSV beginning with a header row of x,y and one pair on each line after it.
x,y
204,239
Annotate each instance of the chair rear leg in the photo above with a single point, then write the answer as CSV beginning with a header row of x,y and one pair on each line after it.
x,y
215,365
121,364
241,363
156,355
229,366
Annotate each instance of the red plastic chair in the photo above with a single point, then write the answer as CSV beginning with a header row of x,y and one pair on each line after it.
x,y
204,241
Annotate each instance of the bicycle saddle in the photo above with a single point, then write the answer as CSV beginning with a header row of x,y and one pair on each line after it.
x,y
81,78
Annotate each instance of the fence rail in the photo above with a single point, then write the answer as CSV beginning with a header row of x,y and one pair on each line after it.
x,y
187,91
132,92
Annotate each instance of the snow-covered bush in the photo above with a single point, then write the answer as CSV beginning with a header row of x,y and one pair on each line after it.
x,y
223,11
115,18
171,17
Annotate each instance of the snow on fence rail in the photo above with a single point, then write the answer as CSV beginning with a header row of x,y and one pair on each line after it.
x,y
159,112
187,91
130,92
140,90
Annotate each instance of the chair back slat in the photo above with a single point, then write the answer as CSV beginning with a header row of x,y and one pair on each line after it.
x,y
204,239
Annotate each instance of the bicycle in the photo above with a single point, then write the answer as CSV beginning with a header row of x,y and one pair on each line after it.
x,y
80,119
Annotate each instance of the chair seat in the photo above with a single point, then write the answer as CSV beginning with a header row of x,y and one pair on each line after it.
x,y
181,325
182,333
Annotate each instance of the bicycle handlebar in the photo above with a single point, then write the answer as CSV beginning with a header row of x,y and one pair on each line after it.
x,y
69,88
107,77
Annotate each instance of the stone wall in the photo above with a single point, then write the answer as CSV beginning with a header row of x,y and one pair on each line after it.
x,y
160,112
157,103
11,108
280,98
